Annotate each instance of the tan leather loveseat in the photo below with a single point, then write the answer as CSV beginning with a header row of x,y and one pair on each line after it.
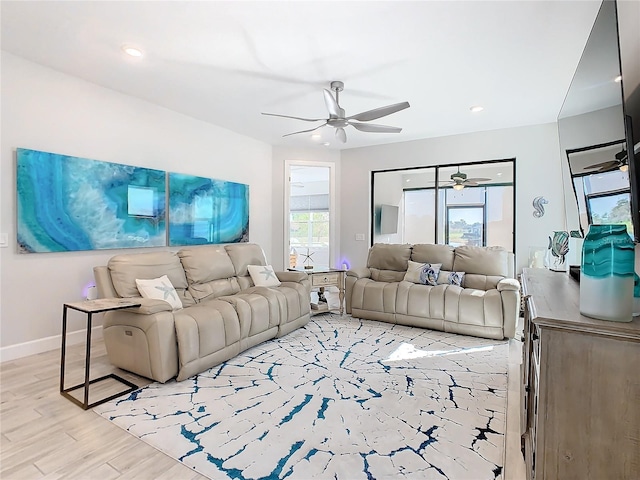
x,y
486,305
223,312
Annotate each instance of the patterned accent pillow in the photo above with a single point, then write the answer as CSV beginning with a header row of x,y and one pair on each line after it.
x,y
159,289
424,273
263,275
451,278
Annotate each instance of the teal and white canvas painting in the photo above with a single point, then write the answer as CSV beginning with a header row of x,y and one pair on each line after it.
x,y
206,211
67,203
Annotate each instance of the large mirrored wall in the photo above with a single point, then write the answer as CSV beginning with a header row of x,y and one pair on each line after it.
x,y
591,130
466,204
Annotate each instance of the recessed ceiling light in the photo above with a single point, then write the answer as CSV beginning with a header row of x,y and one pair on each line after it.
x,y
618,79
326,144
476,108
132,51
316,136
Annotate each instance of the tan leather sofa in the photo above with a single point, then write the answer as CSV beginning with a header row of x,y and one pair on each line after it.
x,y
223,312
486,305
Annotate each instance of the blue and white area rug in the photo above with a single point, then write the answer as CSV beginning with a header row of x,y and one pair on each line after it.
x,y
340,398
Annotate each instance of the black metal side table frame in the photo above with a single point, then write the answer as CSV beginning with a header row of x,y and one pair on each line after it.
x,y
90,307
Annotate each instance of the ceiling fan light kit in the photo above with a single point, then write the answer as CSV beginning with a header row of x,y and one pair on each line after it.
x,y
459,180
620,163
338,119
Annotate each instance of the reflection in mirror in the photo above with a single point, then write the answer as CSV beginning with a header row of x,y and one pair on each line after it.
x,y
600,176
469,204
590,128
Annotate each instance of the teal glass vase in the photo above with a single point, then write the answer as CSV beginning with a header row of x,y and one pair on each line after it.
x,y
607,273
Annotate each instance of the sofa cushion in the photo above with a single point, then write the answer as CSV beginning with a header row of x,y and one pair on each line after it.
x,y
206,263
389,257
209,271
429,253
243,254
481,282
126,268
386,275
481,260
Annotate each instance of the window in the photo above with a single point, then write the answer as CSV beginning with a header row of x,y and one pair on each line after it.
x,y
465,226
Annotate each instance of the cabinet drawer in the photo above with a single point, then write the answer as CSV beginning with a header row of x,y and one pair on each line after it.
x,y
324,279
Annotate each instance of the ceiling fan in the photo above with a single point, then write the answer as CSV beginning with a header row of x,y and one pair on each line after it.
x,y
459,180
620,163
339,120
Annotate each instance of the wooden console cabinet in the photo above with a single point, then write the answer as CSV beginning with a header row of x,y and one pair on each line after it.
x,y
580,413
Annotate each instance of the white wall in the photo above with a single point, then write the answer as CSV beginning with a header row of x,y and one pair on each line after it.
x,y
538,172
298,155
45,110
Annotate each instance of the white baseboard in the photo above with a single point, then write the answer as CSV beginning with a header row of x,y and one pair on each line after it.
x,y
47,344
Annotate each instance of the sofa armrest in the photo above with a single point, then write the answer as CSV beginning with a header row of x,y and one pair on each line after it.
x,y
362,272
148,306
292,276
508,284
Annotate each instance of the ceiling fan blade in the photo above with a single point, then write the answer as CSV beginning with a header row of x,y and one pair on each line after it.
x,y
368,127
476,180
605,165
379,112
608,168
334,109
306,131
341,134
297,118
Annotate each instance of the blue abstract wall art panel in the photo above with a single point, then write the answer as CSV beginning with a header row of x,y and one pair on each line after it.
x,y
69,203
205,211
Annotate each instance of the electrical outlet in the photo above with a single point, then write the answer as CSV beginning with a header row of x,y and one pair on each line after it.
x,y
360,237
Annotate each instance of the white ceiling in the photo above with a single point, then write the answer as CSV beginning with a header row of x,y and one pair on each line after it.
x,y
225,62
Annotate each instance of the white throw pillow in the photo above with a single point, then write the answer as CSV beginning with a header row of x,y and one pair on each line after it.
x,y
263,275
159,289
424,273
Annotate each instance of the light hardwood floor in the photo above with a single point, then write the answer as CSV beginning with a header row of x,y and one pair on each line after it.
x,y
44,435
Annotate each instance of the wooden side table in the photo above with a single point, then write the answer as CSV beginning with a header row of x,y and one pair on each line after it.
x,y
322,277
90,307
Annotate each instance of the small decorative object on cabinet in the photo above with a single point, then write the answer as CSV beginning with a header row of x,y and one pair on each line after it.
x,y
557,251
607,272
580,388
293,258
308,260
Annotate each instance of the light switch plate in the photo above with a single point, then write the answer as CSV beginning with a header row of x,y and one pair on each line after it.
x,y
360,237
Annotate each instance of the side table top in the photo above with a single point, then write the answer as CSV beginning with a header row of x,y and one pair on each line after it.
x,y
102,305
316,269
